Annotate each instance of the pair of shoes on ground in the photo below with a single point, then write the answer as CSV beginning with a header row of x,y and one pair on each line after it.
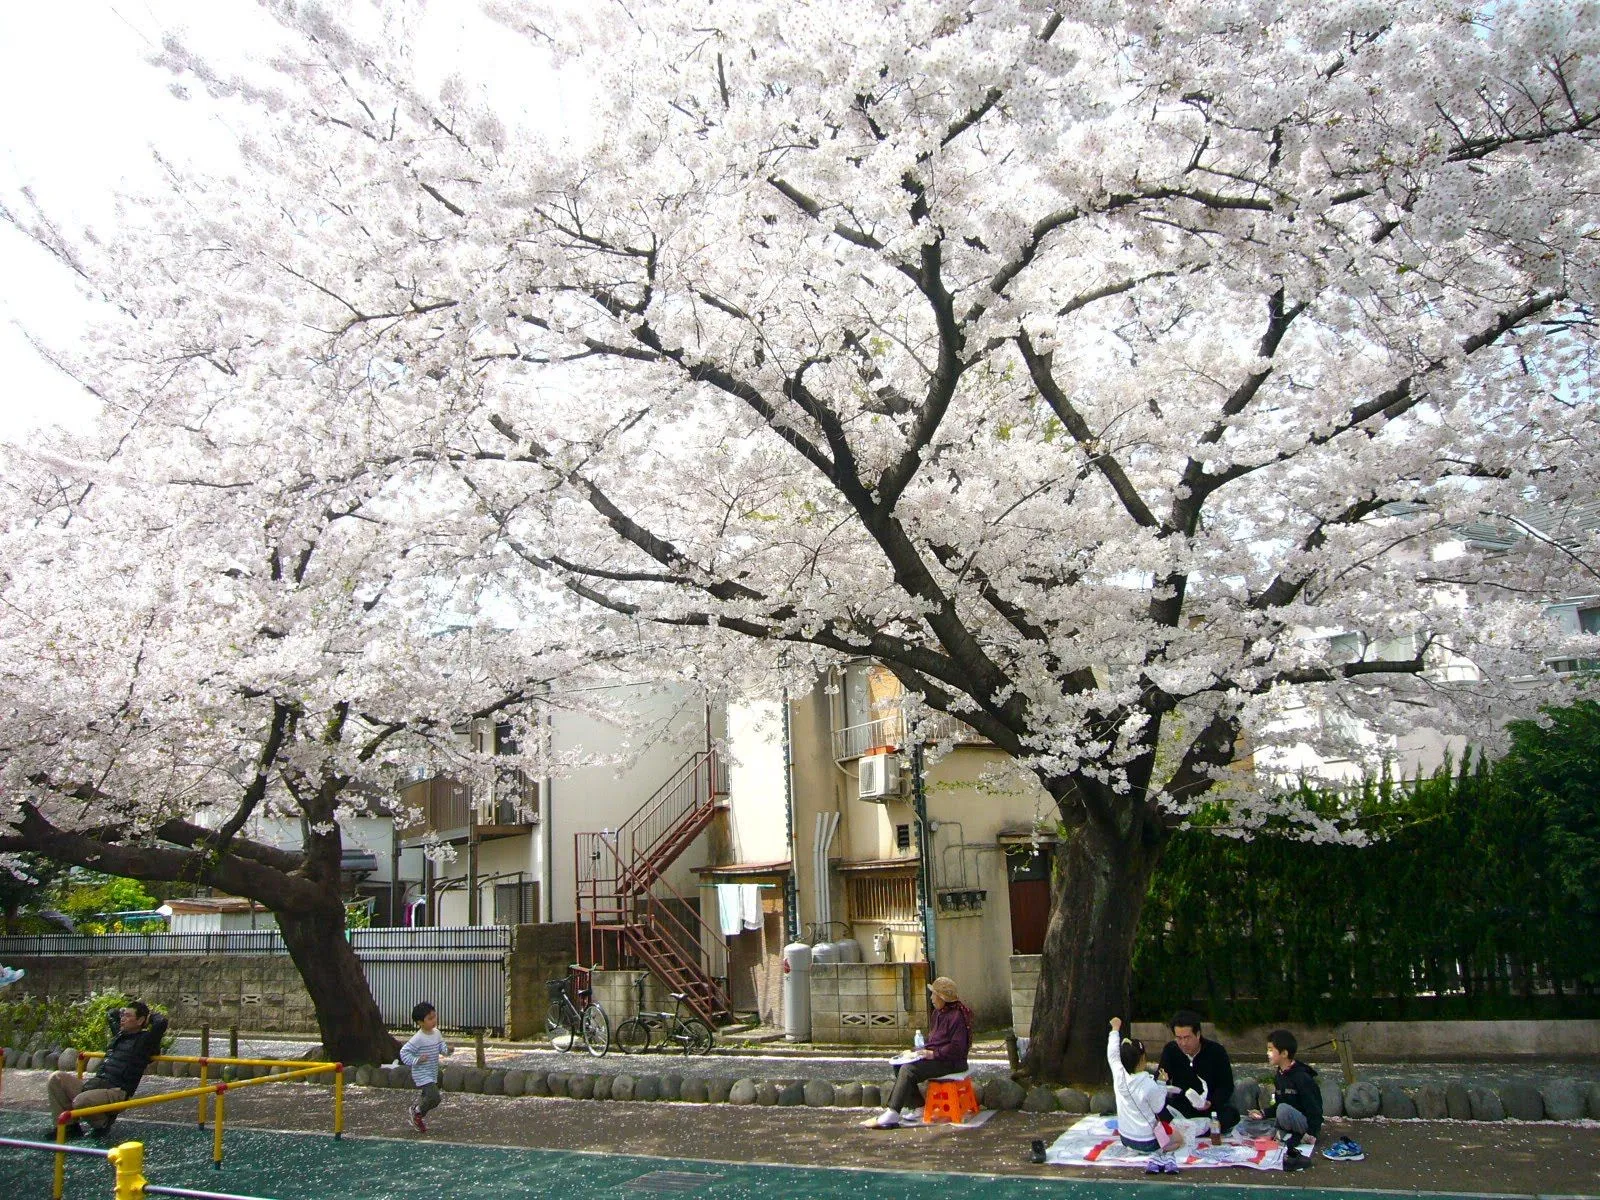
x,y
1161,1164
417,1122
1345,1150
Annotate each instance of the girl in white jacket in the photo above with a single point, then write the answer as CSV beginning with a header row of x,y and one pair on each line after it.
x,y
1141,1104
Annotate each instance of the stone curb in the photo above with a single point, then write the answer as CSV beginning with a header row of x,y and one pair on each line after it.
x,y
1564,1099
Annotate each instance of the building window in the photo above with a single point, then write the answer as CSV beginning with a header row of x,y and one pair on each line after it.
x,y
1589,620
516,903
883,898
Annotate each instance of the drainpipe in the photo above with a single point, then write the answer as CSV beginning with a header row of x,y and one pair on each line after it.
x,y
547,911
394,871
919,801
791,890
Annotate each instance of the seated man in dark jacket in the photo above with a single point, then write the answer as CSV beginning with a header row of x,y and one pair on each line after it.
x,y
136,1035
1192,1064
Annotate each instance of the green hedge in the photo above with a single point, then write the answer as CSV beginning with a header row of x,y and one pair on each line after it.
x,y
1478,896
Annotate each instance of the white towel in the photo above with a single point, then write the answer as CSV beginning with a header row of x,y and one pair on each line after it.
x,y
750,906
730,908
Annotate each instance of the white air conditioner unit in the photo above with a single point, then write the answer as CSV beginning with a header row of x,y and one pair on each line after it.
x,y
879,778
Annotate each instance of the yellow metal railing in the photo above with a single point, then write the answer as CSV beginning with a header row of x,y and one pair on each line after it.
x,y
203,1094
127,1162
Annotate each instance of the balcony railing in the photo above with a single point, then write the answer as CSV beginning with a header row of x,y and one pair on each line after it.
x,y
855,740
447,807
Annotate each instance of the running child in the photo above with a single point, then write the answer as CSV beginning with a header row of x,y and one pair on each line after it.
x,y
422,1054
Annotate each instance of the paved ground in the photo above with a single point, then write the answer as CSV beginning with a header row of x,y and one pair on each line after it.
x,y
700,1141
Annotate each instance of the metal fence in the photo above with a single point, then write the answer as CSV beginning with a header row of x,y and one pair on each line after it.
x,y
461,969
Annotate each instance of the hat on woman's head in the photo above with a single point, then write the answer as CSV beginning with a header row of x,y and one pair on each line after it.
x,y
945,988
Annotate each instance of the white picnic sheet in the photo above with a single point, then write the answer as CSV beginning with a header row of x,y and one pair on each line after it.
x,y
1093,1142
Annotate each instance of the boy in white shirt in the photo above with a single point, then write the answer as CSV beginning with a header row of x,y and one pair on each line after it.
x,y
422,1054
1144,1122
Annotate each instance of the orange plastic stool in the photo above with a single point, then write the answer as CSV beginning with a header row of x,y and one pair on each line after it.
x,y
950,1098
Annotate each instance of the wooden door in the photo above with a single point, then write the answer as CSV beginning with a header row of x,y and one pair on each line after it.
x,y
1030,914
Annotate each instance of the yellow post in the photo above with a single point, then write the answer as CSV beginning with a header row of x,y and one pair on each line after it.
x,y
338,1102
128,1162
216,1136
61,1159
205,1097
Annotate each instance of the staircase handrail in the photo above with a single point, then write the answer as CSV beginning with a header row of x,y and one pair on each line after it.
x,y
697,782
707,929
658,912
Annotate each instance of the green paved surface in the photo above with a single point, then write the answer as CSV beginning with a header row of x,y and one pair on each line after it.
x,y
287,1166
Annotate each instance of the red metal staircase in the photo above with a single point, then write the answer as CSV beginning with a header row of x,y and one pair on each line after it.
x,y
627,913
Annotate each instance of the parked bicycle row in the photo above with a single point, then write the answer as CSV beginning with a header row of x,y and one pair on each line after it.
x,y
575,1017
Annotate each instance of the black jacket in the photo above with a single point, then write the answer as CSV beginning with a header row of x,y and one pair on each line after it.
x,y
130,1053
1298,1087
1210,1065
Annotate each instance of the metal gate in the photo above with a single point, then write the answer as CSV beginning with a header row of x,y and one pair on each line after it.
x,y
461,971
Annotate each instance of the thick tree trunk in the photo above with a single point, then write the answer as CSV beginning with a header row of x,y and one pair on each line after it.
x,y
352,1028
1096,896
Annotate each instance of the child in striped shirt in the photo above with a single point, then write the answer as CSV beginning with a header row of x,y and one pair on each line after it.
x,y
422,1054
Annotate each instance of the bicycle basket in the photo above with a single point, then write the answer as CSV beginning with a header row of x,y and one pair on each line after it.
x,y
556,987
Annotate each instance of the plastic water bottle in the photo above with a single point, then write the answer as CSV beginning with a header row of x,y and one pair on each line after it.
x,y
1216,1130
917,1041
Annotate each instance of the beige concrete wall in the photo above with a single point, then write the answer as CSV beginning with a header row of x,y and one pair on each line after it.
x,y
756,818
868,1004
664,726
972,794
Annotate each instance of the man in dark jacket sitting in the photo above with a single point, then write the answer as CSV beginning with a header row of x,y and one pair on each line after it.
x,y
136,1035
1199,1068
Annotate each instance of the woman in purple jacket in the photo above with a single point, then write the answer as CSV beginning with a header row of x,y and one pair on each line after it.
x,y
944,1053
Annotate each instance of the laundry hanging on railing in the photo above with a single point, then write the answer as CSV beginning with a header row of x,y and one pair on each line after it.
x,y
738,907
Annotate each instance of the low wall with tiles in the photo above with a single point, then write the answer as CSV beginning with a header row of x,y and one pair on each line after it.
x,y
869,1004
248,991
1024,982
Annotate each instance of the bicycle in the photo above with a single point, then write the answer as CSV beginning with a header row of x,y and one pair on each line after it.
x,y
691,1034
575,1014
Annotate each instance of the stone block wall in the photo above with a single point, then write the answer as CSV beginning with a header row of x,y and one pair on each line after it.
x,y
538,953
868,1004
1024,982
247,991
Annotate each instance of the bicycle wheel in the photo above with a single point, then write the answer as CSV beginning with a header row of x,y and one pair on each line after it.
x,y
596,1030
697,1036
555,1024
632,1036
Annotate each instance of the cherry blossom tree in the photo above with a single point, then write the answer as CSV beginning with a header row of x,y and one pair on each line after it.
x,y
187,645
1088,364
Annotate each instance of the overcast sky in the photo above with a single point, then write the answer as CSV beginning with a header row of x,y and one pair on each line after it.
x,y
83,110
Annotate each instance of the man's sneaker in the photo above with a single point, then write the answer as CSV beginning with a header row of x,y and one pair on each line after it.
x,y
1345,1150
417,1122
74,1131
887,1119
1293,1160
